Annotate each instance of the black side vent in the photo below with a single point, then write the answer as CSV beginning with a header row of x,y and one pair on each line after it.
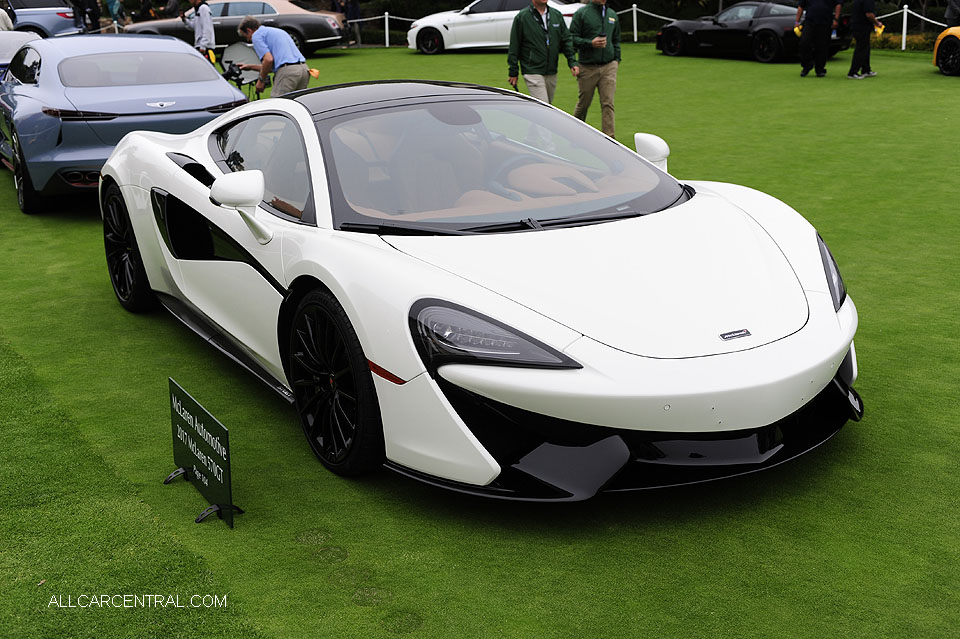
x,y
194,168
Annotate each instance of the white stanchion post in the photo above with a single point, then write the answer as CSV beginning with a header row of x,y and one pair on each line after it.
x,y
634,23
386,28
903,29
116,28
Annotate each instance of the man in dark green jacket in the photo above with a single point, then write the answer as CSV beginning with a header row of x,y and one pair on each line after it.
x,y
538,37
596,36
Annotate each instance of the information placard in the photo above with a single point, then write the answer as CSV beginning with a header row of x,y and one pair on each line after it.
x,y
201,451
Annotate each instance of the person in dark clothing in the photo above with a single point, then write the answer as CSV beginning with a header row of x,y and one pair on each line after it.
x,y
595,30
952,14
863,19
91,10
537,38
351,11
822,16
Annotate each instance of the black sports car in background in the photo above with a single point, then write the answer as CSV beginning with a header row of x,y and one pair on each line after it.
x,y
761,30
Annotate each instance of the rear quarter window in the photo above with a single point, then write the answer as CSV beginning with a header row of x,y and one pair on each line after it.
x,y
135,68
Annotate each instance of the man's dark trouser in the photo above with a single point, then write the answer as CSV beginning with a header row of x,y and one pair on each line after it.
x,y
861,52
814,45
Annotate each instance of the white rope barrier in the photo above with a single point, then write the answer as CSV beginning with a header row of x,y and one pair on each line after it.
x,y
635,11
113,25
903,26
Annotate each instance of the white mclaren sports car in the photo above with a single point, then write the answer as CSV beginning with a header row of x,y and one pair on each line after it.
x,y
477,290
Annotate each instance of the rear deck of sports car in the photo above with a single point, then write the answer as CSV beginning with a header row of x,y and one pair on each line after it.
x,y
548,459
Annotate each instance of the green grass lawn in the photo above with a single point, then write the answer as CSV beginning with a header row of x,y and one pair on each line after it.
x,y
860,538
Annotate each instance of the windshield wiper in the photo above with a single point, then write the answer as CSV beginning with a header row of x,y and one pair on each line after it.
x,y
590,219
516,225
398,229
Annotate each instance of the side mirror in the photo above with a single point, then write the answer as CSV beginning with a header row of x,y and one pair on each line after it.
x,y
652,148
243,191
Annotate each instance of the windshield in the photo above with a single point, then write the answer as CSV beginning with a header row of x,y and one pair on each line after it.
x,y
134,68
456,165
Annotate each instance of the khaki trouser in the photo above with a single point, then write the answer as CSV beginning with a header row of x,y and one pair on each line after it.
x,y
542,87
603,79
290,77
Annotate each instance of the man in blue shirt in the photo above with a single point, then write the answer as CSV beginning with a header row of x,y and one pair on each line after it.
x,y
277,53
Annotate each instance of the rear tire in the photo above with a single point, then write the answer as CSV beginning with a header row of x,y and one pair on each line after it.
x,y
297,40
429,41
948,56
34,30
671,42
124,263
766,46
27,198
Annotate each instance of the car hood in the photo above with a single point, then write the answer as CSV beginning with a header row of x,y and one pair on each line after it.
x,y
441,16
699,279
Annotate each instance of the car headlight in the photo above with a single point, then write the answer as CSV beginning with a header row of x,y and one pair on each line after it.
x,y
837,290
446,333
414,26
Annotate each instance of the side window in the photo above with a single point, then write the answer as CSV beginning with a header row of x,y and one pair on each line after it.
x,y
244,9
272,144
515,5
216,10
486,6
739,12
25,66
15,68
268,10
781,10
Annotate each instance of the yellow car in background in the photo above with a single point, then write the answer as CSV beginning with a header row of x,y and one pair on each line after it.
x,y
946,52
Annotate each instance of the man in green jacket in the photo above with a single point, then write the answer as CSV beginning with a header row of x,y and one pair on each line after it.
x,y
538,37
596,36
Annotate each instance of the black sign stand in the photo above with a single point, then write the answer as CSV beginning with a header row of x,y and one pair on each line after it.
x,y
201,450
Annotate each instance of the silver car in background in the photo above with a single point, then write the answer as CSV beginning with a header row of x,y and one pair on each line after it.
x,y
46,18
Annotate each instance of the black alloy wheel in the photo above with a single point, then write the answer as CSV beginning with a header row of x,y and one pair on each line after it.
x,y
333,387
766,46
671,42
27,198
124,264
948,56
429,41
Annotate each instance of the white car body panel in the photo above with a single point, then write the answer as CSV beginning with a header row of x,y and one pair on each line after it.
x,y
419,435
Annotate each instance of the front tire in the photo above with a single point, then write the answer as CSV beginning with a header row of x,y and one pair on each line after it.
x,y
948,56
766,46
124,263
333,387
429,41
27,198
671,42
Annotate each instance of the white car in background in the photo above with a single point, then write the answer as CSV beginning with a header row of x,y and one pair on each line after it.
x,y
483,24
